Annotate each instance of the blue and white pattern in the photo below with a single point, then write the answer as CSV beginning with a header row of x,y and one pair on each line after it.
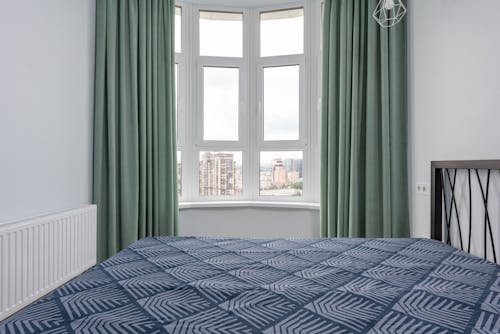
x,y
227,285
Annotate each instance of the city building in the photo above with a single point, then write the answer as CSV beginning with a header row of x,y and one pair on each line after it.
x,y
219,174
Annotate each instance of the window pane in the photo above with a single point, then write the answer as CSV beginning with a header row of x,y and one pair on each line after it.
x,y
220,103
178,31
176,98
282,32
179,173
221,34
281,173
220,173
281,103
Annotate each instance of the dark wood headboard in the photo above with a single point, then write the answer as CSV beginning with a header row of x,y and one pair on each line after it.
x,y
443,176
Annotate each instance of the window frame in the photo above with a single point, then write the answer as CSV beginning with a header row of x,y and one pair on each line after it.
x,y
200,144
251,114
181,60
217,61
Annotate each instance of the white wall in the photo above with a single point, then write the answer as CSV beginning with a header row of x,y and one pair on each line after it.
x,y
454,88
46,83
249,222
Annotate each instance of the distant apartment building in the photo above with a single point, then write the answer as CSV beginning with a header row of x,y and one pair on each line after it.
x,y
293,177
219,174
285,172
293,165
281,177
279,173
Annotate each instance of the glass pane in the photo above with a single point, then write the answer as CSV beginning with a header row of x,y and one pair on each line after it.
x,y
281,173
176,98
220,173
282,32
220,103
221,34
179,172
281,103
178,29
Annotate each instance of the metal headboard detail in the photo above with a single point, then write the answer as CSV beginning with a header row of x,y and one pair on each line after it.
x,y
445,208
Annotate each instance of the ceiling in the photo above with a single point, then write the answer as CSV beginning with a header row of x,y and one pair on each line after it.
x,y
241,3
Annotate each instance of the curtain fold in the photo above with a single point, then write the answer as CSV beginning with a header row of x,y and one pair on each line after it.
x,y
135,168
364,184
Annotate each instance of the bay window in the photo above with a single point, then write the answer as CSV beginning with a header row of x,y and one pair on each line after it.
x,y
247,102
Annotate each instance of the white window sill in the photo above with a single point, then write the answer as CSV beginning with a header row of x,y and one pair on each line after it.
x,y
249,204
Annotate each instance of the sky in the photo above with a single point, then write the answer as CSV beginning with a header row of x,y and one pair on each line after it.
x,y
237,155
267,157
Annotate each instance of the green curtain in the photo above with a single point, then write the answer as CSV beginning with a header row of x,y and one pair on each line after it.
x,y
135,168
364,184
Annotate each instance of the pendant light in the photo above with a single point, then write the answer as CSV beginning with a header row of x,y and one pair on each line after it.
x,y
388,13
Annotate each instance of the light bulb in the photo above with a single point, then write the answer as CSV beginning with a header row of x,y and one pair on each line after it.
x,y
389,4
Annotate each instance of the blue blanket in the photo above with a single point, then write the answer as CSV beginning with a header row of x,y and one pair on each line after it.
x,y
210,285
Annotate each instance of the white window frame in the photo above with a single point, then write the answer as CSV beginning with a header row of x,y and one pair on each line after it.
x,y
251,137
182,94
213,61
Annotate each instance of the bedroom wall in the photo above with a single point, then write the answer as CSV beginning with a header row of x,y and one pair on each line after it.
x,y
46,80
454,88
249,222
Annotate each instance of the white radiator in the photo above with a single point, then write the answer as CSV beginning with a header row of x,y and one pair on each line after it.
x,y
39,254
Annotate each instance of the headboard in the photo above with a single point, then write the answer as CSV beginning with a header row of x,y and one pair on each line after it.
x,y
465,205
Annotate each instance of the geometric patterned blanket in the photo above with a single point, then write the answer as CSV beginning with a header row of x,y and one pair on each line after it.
x,y
232,285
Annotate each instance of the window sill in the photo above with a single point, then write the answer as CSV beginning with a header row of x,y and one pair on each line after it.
x,y
249,204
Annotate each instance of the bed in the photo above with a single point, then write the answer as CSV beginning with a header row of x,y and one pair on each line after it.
x,y
283,285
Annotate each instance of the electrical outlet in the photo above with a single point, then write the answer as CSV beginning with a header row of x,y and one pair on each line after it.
x,y
423,188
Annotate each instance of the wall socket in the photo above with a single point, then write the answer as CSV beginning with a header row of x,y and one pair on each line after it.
x,y
423,188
